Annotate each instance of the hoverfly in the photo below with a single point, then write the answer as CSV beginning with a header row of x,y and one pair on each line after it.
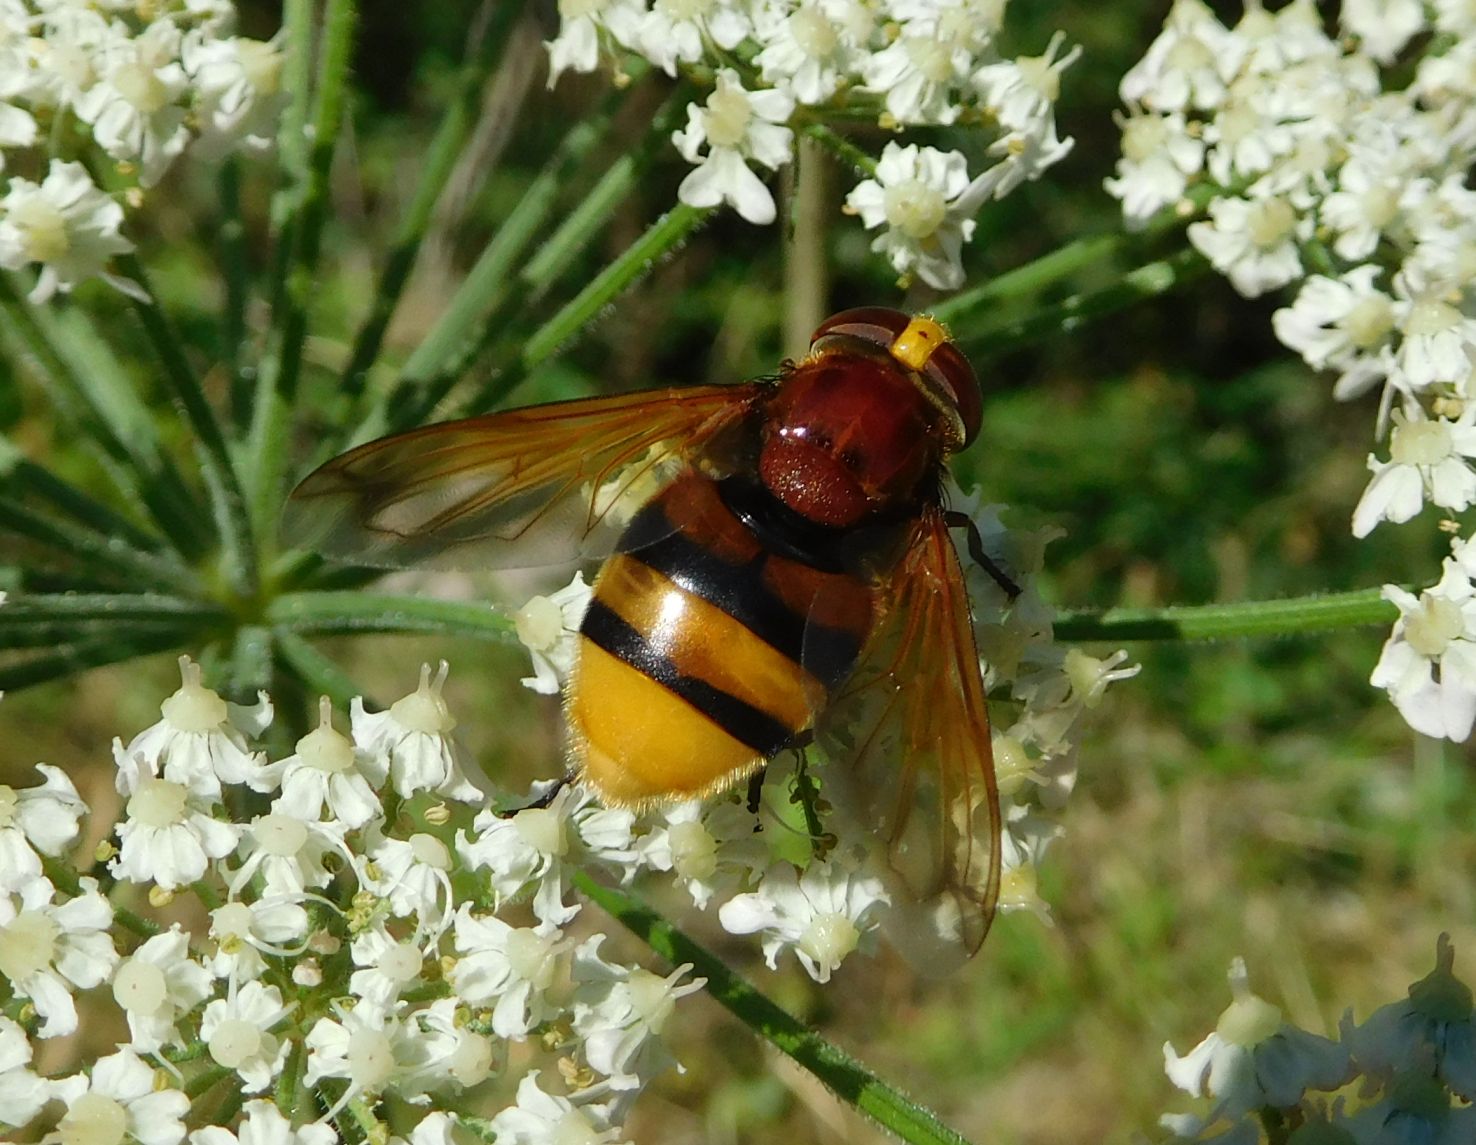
x,y
793,562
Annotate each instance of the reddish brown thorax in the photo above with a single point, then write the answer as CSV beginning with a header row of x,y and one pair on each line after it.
x,y
854,430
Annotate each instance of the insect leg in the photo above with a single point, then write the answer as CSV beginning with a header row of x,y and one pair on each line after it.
x,y
956,520
543,802
756,794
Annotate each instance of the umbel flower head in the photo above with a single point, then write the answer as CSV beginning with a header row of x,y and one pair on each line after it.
x,y
905,64
333,911
65,224
1328,163
1402,1075
139,86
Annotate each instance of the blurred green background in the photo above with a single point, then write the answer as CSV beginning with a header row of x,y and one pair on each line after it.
x,y
1251,798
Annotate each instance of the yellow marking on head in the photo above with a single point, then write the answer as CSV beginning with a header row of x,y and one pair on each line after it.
x,y
915,345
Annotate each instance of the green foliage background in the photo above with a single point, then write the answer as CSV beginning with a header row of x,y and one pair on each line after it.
x,y
1248,797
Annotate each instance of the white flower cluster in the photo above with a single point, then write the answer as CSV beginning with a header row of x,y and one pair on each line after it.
x,y
375,930
821,909
1338,167
142,83
1406,1074
907,63
334,948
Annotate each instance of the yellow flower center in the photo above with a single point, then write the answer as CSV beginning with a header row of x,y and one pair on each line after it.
x,y
693,850
814,33
236,1041
1269,222
542,829
44,229
915,208
93,1119
1431,629
1369,321
829,938
158,803
140,986
728,116
1420,443
27,945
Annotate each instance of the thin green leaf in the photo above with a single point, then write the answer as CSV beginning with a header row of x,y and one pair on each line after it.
x,y
109,558
847,1078
558,254
989,337
1359,608
302,229
292,137
58,633
21,478
69,660
216,466
319,674
326,613
41,608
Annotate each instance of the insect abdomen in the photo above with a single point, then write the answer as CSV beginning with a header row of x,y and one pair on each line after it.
x,y
704,652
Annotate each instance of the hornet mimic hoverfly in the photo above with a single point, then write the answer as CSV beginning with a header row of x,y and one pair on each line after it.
x,y
793,563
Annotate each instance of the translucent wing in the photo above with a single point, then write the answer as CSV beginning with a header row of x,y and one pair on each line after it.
x,y
910,756
541,485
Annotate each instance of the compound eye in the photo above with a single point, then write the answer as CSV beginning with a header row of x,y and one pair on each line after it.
x,y
950,370
879,325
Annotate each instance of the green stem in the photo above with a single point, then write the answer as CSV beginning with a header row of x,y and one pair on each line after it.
x,y
1004,332
62,875
303,229
139,925
41,608
1047,270
806,267
287,1092
251,662
1286,617
845,1076
234,268
984,301
319,674
359,612
358,1122
439,161
202,1083
480,1127
843,149
292,137
216,466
